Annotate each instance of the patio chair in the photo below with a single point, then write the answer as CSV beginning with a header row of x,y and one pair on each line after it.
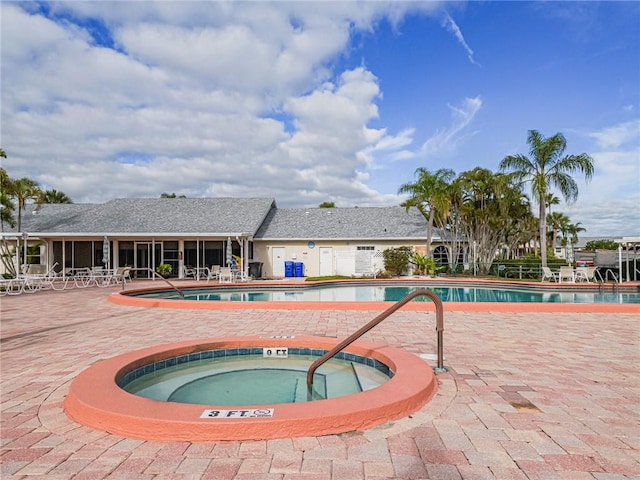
x,y
189,272
547,273
122,275
226,275
586,274
214,272
566,273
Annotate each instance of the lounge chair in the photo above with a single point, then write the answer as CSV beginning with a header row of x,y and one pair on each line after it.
x,y
547,273
11,286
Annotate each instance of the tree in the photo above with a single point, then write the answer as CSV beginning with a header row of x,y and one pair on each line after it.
x,y
55,196
548,167
558,222
6,205
594,245
327,205
430,194
570,233
24,189
550,199
172,195
490,204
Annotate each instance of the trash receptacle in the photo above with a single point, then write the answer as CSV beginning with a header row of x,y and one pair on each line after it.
x,y
255,269
288,269
298,268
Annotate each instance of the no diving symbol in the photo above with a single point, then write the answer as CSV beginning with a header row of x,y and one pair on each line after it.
x,y
264,412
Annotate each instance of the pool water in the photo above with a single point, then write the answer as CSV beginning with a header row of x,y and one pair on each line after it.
x,y
254,380
387,293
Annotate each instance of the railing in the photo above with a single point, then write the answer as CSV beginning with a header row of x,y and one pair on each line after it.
x,y
155,274
396,306
602,281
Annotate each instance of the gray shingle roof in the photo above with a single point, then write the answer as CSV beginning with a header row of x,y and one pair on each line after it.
x,y
343,223
210,216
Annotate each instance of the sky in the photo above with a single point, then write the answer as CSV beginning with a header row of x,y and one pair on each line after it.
x,y
310,102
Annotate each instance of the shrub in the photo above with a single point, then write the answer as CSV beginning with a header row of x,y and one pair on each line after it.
x,y
164,269
396,260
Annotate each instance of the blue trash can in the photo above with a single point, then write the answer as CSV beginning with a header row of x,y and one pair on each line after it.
x,y
288,269
298,269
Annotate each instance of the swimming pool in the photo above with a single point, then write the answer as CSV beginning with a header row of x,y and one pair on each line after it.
x,y
393,293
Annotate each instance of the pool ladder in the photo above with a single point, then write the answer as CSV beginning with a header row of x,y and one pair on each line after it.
x,y
393,308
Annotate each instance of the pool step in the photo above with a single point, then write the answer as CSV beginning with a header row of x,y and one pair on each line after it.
x,y
367,377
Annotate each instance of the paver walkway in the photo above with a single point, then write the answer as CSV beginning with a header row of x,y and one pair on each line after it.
x,y
527,396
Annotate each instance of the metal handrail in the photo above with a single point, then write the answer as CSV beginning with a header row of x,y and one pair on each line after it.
x,y
147,269
353,337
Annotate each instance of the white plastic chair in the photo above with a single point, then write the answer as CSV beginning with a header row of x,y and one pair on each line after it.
x,y
214,272
547,273
226,275
566,273
189,272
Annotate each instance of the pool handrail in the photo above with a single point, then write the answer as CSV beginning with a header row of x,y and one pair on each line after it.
x,y
156,274
393,308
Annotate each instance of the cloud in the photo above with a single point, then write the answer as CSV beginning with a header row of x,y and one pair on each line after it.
x,y
618,135
452,27
446,140
197,98
608,205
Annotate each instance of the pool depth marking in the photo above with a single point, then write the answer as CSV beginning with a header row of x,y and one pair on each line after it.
x,y
275,352
255,413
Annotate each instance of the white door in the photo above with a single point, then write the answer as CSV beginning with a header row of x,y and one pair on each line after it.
x,y
277,261
326,261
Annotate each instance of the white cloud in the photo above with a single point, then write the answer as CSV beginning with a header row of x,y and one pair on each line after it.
x,y
608,205
447,139
452,27
197,98
618,135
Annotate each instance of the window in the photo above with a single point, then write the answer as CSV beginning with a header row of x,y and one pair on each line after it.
x,y
441,256
366,247
125,254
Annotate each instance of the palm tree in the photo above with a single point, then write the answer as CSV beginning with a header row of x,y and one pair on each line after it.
x,y
24,189
55,196
557,221
571,231
429,193
6,205
550,199
548,167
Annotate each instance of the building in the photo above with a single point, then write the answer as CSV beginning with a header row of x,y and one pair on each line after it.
x,y
196,232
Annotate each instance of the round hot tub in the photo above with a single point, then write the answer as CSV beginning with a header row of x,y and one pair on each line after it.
x,y
96,397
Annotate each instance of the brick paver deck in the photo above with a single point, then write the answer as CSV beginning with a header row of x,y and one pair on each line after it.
x,y
527,396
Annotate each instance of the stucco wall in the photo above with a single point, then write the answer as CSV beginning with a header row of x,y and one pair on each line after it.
x,y
343,255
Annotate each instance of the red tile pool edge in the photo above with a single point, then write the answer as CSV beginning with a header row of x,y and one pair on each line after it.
x,y
122,298
94,399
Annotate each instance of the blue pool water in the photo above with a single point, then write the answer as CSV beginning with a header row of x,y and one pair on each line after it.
x,y
254,380
394,293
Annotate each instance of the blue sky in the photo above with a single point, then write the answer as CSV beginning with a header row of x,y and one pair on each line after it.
x,y
309,102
